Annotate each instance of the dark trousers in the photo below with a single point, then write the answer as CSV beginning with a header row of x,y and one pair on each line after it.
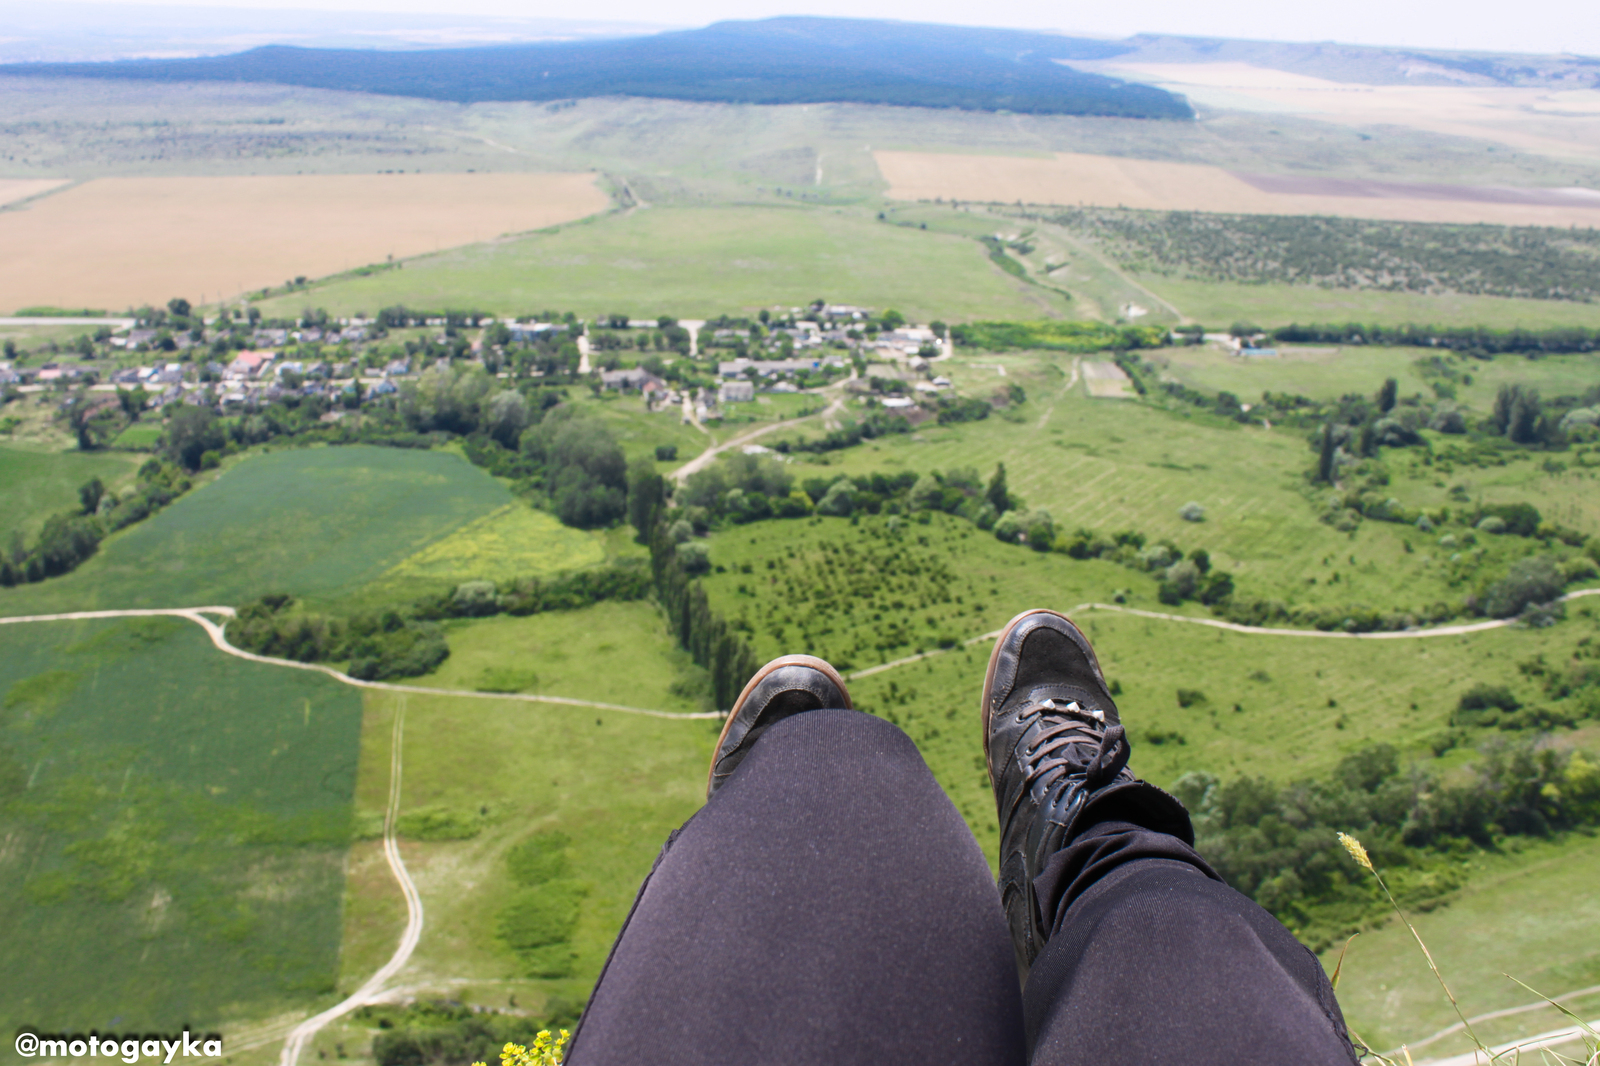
x,y
829,906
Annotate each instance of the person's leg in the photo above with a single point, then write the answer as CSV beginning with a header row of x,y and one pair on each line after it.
x,y
1134,951
827,905
1152,960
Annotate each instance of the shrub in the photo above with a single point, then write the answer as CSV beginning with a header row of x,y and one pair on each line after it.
x,y
1536,579
1485,705
694,557
474,599
439,823
666,453
839,500
540,858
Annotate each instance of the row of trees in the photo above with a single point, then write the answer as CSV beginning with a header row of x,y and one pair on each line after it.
x,y
71,537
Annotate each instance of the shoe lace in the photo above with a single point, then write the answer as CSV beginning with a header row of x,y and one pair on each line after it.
x,y
1060,746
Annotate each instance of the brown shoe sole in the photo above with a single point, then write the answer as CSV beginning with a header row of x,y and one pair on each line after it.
x,y
822,666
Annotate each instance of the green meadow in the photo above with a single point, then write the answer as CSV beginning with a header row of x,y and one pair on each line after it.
x,y
176,824
1110,465
1218,304
37,483
665,260
1530,913
316,522
613,784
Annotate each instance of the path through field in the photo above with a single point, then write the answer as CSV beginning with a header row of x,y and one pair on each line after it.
x,y
302,1033
373,988
701,461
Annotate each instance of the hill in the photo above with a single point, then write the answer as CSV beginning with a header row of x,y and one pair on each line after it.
x,y
772,61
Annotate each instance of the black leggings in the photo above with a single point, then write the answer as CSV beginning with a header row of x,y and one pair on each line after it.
x,y
829,906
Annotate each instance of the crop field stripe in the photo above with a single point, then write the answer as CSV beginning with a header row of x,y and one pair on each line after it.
x,y
218,638
414,914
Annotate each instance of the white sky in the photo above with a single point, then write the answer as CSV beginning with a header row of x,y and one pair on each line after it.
x,y
1540,26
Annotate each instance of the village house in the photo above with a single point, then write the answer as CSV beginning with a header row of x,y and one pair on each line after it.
x,y
736,392
635,379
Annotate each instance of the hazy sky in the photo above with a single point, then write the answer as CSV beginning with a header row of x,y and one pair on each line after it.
x,y
1491,25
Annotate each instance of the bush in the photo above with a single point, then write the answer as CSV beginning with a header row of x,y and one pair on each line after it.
x,y
694,557
1536,579
1485,705
839,500
1192,512
666,453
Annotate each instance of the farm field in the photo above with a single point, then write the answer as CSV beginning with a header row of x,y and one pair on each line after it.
x,y
1541,120
302,225
36,484
667,260
315,522
167,787
1218,304
14,189
1109,181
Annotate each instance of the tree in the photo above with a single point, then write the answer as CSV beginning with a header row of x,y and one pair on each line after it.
x,y
90,494
1523,425
191,432
1388,394
647,493
179,307
1325,459
997,495
508,417
893,319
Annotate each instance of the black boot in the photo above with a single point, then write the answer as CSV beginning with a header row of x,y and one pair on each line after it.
x,y
1058,759
790,684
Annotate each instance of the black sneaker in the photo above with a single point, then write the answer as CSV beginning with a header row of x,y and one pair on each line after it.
x,y
1058,761
790,684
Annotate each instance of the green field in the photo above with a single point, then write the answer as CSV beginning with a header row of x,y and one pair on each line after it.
x,y
176,824
312,521
666,260
1531,913
36,484
1113,465
615,783
1218,304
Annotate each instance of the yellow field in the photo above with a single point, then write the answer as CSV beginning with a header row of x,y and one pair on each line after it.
x,y
1558,122
1112,181
123,242
14,189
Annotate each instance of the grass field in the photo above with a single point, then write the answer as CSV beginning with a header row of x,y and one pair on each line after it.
x,y
1530,912
1218,304
1326,372
38,484
513,540
669,260
616,784
1111,466
308,225
176,855
1111,181
316,522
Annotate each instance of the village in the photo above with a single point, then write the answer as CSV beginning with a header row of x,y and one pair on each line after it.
x,y
697,369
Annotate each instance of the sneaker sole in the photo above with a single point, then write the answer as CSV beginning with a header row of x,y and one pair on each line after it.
x,y
985,710
822,666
